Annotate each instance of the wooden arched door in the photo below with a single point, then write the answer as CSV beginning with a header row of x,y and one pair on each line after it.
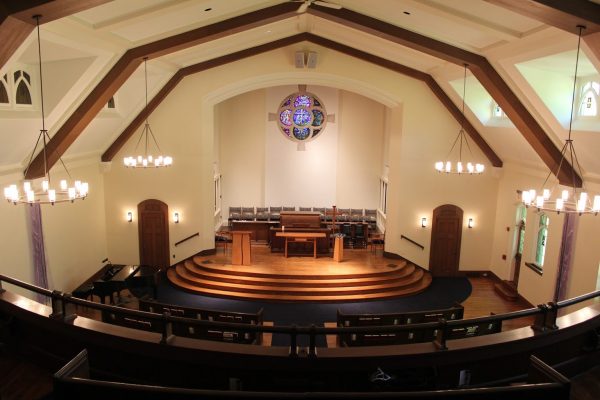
x,y
446,233
153,227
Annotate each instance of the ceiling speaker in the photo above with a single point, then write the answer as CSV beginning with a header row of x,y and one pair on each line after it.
x,y
299,59
311,62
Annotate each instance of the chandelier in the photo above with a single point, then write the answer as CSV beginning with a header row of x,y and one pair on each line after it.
x,y
569,199
147,160
42,190
461,139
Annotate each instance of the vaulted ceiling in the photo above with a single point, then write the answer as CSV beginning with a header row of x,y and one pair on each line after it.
x,y
93,49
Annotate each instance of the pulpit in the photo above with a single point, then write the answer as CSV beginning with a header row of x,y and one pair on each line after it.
x,y
338,249
241,253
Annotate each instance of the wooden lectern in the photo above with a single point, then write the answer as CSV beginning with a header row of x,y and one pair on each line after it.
x,y
338,248
241,253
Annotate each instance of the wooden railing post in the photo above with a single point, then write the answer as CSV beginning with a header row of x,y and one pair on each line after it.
x,y
293,342
440,339
167,331
312,346
60,309
546,319
68,308
551,316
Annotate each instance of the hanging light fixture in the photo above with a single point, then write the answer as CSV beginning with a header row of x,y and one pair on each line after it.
x,y
459,167
147,160
569,199
42,191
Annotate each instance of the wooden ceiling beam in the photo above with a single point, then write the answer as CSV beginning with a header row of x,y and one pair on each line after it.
x,y
481,68
422,76
16,19
565,15
122,70
114,148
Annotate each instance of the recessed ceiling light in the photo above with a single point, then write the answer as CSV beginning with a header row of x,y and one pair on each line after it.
x,y
407,12
207,9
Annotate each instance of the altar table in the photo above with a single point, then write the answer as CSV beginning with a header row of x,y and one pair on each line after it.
x,y
306,237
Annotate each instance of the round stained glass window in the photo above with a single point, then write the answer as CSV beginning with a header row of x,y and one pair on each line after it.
x,y
302,116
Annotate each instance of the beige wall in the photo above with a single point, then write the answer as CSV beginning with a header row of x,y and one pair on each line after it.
x,y
408,131
75,234
534,287
186,187
14,241
422,133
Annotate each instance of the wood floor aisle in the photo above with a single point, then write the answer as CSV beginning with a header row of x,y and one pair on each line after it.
x,y
361,275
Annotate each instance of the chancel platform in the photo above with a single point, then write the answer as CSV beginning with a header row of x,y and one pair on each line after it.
x,y
362,275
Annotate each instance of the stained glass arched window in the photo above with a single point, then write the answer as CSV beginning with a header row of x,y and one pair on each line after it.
x,y
542,239
588,106
22,82
301,116
4,99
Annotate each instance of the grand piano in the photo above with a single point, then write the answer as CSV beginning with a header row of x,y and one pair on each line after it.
x,y
111,279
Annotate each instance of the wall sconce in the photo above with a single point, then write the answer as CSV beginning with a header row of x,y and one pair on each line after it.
x,y
129,216
176,217
424,222
470,223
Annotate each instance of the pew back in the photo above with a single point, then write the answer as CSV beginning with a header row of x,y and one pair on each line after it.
x,y
417,335
186,329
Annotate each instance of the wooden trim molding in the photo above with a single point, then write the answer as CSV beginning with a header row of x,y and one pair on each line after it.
x,y
114,148
565,15
16,22
382,62
127,64
481,68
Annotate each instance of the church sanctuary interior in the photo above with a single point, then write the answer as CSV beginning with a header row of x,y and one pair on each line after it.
x,y
300,198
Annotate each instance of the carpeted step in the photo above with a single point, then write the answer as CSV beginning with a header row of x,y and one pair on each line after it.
x,y
415,282
251,271
396,276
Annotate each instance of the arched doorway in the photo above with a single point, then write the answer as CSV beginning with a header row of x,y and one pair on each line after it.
x,y
446,235
153,230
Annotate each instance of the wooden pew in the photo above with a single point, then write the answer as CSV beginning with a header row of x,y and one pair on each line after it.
x,y
201,332
75,380
405,318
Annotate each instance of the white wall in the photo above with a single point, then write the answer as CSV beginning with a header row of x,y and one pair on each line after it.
x,y
360,147
241,123
302,178
262,168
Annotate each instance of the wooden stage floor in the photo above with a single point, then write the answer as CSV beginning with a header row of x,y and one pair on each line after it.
x,y
356,261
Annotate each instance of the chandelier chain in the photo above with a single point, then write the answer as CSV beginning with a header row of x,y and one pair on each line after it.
x,y
147,160
44,193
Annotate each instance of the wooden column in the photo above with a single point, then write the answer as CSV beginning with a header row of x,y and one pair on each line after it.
x,y
241,253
